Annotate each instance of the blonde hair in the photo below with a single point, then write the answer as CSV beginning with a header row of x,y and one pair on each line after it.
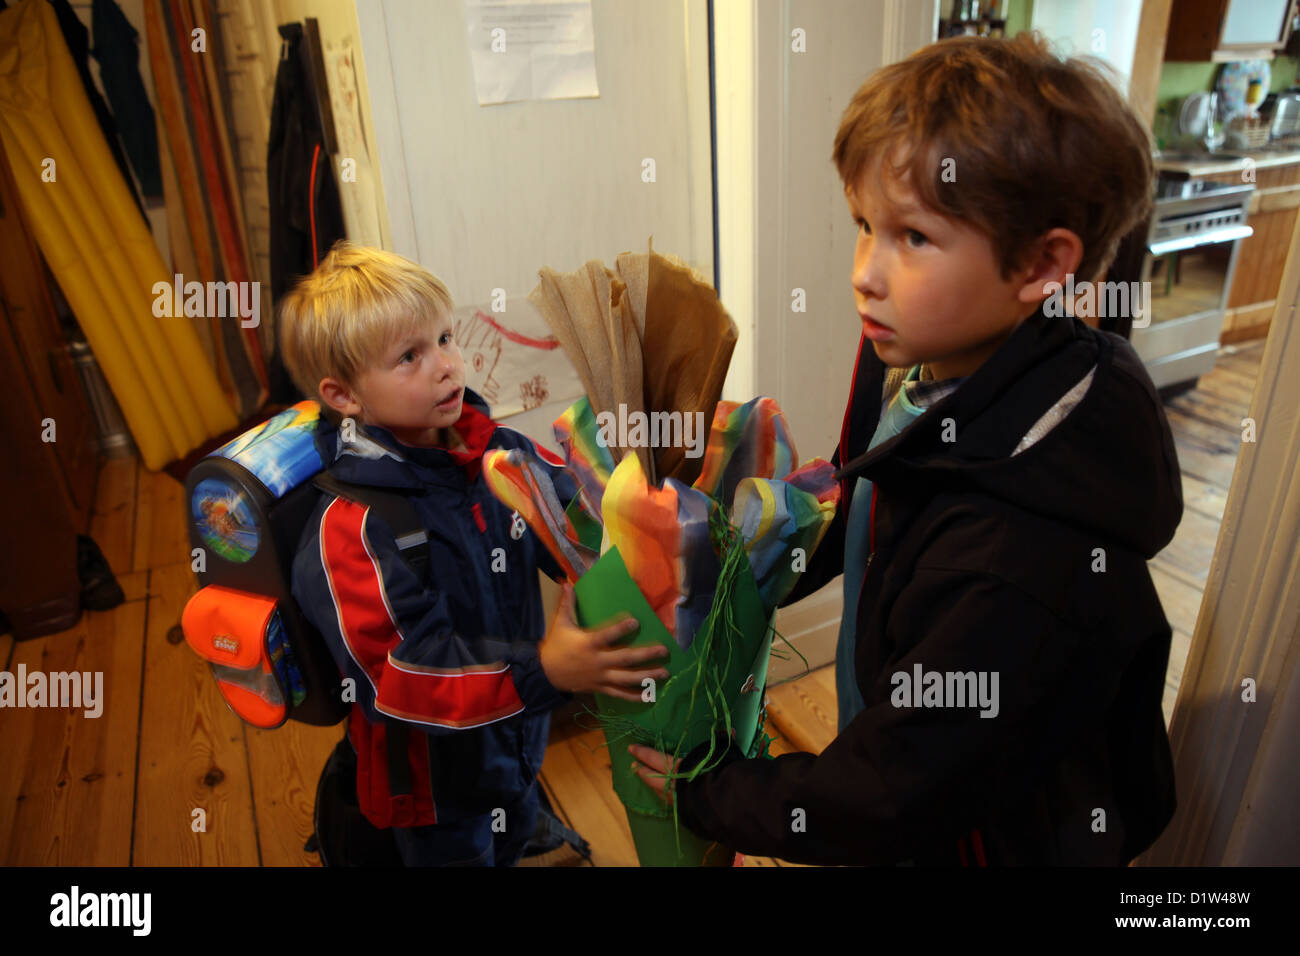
x,y
1032,141
338,321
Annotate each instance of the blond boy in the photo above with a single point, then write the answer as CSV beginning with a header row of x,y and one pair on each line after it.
x,y
453,678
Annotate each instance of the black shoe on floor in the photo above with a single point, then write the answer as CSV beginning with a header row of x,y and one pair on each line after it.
x,y
99,589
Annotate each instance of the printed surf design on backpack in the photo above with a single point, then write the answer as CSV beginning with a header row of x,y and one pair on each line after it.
x,y
247,504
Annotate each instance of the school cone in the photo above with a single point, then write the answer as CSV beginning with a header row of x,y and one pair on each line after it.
x,y
715,685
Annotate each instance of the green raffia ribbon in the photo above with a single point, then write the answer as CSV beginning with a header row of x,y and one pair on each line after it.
x,y
701,698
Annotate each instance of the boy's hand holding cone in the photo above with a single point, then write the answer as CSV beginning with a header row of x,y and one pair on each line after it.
x,y
579,660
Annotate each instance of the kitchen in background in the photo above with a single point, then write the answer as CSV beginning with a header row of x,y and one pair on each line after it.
x,y
1218,239
1236,89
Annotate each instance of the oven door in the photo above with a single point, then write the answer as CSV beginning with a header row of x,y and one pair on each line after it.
x,y
1189,278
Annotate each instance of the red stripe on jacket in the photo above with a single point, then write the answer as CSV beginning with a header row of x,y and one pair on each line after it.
x,y
457,697
846,493
548,456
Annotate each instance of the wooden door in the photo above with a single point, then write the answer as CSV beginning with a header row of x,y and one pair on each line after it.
x,y
47,369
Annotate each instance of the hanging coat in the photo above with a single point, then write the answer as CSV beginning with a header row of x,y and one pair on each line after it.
x,y
306,215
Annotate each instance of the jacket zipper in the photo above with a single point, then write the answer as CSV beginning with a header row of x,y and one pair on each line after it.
x,y
493,578
871,543
871,553
871,522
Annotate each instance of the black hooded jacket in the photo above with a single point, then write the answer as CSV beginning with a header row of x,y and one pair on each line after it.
x,y
989,558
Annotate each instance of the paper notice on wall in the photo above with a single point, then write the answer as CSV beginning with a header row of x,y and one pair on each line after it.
x,y
512,359
531,49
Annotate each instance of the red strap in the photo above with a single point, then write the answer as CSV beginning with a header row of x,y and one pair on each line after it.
x,y
311,206
848,409
377,802
979,847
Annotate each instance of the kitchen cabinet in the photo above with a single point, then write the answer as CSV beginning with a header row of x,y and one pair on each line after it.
x,y
1262,259
1221,30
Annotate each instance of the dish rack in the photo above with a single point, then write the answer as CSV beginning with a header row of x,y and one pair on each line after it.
x,y
1247,132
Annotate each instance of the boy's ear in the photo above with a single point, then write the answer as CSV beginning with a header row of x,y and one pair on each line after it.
x,y
1053,256
339,397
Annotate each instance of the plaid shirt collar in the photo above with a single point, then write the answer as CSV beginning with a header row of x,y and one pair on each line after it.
x,y
924,392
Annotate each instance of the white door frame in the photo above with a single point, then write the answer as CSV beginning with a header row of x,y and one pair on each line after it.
x,y
1235,760
753,63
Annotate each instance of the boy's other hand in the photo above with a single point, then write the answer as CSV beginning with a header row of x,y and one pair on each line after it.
x,y
653,767
580,660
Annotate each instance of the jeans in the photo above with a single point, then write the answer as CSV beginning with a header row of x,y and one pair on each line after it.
x,y
473,841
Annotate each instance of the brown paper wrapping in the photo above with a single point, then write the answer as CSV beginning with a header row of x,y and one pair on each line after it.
x,y
652,337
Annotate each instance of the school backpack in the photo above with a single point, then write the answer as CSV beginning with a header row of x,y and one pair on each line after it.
x,y
248,503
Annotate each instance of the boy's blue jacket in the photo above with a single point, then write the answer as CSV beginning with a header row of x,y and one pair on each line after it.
x,y
454,657
1009,537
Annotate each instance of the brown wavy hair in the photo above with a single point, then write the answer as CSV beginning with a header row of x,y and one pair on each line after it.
x,y
1035,142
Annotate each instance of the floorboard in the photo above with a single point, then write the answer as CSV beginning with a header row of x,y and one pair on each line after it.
x,y
68,795
192,755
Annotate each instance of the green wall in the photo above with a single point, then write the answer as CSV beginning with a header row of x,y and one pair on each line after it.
x,y
1018,14
1177,80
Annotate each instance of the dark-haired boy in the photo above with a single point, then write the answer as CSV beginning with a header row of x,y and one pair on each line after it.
x,y
1007,476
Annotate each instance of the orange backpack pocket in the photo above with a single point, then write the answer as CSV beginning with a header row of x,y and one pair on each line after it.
x,y
242,638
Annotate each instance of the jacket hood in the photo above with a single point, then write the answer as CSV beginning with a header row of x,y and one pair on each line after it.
x,y
1012,431
373,456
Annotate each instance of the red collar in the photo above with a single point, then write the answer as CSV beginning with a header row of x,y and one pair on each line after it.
x,y
475,430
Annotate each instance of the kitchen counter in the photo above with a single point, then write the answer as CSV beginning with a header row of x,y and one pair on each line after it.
x,y
1227,161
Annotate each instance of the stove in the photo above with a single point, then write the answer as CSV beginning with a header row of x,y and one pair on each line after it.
x,y
1192,246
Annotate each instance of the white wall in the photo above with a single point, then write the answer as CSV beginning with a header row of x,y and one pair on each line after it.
x,y
485,196
781,194
783,222
1106,29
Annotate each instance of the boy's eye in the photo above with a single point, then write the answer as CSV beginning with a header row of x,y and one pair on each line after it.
x,y
408,356
445,338
916,239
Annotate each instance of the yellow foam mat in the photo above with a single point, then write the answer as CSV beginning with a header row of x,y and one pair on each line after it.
x,y
97,244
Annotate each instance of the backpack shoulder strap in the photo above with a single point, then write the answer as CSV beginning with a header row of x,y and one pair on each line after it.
x,y
398,512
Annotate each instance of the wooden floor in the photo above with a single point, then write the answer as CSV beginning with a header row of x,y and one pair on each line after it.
x,y
1207,427
169,776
